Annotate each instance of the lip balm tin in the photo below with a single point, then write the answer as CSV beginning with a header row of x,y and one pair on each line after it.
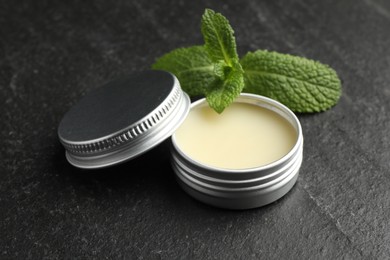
x,y
130,115
241,188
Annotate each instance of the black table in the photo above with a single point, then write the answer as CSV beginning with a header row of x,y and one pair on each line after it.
x,y
51,54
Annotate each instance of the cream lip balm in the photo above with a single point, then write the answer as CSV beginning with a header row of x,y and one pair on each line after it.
x,y
243,136
246,157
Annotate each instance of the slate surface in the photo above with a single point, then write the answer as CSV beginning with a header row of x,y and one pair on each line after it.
x,y
52,53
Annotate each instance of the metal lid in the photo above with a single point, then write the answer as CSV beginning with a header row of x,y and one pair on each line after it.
x,y
123,119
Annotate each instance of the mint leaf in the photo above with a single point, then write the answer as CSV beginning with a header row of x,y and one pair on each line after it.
x,y
221,69
301,84
223,94
220,44
218,36
193,68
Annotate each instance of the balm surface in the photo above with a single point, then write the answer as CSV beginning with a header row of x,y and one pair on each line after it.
x,y
243,136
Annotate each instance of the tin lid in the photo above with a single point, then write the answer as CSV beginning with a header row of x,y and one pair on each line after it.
x,y
123,119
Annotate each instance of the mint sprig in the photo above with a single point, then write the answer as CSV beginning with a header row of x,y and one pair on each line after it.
x,y
215,71
212,70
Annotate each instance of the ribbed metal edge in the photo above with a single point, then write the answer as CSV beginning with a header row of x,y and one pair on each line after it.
x,y
130,134
262,180
252,199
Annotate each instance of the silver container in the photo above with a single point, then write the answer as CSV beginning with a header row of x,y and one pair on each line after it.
x,y
243,188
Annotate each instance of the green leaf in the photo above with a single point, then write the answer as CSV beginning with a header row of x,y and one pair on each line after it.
x,y
218,36
223,94
220,69
301,84
193,68
220,45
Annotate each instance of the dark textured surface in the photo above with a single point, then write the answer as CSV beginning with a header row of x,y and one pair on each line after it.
x,y
51,54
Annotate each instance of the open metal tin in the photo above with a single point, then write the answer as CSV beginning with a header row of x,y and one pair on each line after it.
x,y
130,115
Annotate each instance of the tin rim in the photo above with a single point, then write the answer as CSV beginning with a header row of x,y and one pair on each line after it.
x,y
255,100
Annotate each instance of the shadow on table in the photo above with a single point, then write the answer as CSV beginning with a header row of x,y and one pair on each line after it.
x,y
149,167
